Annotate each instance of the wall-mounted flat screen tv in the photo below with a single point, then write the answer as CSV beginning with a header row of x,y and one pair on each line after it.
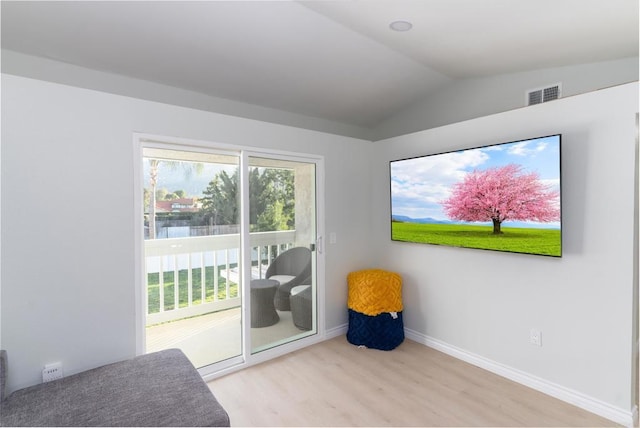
x,y
503,197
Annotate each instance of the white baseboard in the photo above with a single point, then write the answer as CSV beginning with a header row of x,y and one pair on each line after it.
x,y
590,404
336,331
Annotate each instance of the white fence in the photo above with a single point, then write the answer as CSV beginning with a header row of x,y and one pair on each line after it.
x,y
214,262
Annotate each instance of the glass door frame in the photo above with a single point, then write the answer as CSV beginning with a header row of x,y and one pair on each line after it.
x,y
317,253
246,359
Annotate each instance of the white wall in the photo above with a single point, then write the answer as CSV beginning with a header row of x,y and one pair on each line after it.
x,y
20,64
67,160
461,100
485,302
68,219
473,98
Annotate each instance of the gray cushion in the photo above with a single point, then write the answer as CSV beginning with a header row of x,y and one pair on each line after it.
x,y
282,279
159,389
3,373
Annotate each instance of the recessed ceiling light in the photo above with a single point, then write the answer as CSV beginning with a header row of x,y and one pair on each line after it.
x,y
401,25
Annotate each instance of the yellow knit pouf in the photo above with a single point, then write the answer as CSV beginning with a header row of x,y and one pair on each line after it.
x,y
374,291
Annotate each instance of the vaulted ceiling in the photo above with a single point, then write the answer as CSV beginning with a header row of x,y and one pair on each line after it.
x,y
337,60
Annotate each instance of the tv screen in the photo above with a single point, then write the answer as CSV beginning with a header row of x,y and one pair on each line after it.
x,y
502,197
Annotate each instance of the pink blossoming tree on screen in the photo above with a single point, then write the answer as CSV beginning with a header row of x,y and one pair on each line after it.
x,y
500,194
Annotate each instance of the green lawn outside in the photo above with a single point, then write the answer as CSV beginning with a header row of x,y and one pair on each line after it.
x,y
153,289
520,240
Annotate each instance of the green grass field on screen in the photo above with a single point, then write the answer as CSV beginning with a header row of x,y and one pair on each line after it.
x,y
519,240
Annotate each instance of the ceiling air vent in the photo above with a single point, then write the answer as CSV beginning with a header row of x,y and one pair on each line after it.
x,y
542,95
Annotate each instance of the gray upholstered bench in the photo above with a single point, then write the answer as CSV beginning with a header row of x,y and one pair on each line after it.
x,y
159,389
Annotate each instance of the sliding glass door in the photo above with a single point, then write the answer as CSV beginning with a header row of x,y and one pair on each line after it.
x,y
282,222
229,257
192,258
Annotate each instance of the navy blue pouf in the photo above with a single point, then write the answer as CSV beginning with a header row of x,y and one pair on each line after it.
x,y
378,332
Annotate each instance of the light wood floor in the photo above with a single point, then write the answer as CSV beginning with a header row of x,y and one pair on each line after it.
x,y
337,384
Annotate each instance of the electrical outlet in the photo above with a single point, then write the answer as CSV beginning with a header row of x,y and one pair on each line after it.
x,y
51,372
535,337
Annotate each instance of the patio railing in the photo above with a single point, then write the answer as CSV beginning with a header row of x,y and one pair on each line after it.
x,y
186,277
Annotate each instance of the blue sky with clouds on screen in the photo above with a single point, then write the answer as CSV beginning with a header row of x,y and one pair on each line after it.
x,y
419,185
